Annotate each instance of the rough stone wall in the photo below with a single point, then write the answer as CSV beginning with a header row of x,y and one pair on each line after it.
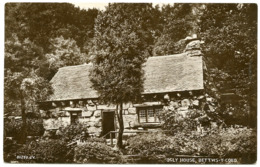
x,y
55,123
91,116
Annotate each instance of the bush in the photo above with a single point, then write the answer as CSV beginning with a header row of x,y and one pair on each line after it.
x,y
14,128
230,142
238,114
10,149
175,122
152,146
74,132
45,151
97,152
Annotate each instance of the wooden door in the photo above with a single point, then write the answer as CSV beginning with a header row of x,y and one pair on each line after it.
x,y
108,122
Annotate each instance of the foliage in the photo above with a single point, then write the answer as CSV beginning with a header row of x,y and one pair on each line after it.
x,y
45,151
231,48
42,21
238,114
96,140
10,148
22,59
73,132
23,87
13,128
230,142
97,152
178,21
151,147
175,121
64,52
119,52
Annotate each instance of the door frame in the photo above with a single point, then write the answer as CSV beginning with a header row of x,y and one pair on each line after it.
x,y
114,120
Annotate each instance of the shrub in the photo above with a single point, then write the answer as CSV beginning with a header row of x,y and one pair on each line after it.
x,y
236,114
45,151
97,140
152,146
176,122
74,132
14,128
10,148
96,152
230,142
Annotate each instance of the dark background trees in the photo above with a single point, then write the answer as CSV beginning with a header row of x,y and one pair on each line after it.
x,y
40,38
230,35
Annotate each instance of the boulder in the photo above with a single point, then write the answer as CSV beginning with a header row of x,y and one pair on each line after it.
x,y
94,130
91,124
87,113
193,45
99,123
106,107
91,107
185,103
174,104
94,119
97,113
129,121
195,102
132,111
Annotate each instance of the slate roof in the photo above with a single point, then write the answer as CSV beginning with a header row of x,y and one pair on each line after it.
x,y
72,82
173,73
163,74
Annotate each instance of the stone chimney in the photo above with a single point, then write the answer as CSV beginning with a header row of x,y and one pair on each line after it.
x,y
193,46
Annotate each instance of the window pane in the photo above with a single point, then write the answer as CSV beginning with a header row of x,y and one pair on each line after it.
x,y
142,116
150,114
156,114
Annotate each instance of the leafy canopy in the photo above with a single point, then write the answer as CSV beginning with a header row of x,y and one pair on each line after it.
x,y
118,53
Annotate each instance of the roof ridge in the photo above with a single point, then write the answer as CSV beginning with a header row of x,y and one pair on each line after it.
x,y
74,66
177,55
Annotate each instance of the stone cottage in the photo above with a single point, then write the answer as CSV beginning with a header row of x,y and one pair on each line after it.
x,y
169,82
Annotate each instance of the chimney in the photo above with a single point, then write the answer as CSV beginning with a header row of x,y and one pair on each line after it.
x,y
193,46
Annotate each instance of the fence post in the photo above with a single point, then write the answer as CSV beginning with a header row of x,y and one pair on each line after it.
x,y
111,139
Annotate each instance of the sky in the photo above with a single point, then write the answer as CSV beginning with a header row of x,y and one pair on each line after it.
x,y
101,5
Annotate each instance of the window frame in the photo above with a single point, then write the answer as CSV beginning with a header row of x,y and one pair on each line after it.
x,y
148,109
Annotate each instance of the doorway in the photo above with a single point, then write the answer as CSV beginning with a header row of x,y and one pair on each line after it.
x,y
108,122
74,118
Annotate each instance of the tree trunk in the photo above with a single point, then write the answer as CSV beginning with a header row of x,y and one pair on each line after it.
x,y
23,137
121,127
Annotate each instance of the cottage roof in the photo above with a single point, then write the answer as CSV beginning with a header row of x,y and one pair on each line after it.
x,y
173,73
72,82
170,73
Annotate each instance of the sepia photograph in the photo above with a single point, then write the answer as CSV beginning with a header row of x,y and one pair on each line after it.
x,y
129,83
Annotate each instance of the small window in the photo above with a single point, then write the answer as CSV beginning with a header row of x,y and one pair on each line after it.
x,y
149,114
142,115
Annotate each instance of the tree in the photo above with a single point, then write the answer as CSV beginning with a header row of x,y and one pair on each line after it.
x,y
229,32
179,21
118,55
22,86
41,21
231,48
64,52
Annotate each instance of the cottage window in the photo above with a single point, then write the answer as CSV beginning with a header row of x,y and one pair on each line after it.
x,y
142,115
148,114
